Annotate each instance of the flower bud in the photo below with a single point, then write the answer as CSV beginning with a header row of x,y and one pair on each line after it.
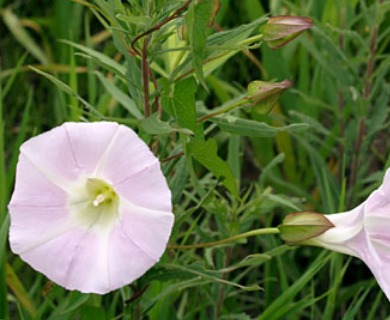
x,y
264,95
298,228
280,30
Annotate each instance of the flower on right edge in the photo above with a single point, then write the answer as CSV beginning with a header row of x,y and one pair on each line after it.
x,y
363,232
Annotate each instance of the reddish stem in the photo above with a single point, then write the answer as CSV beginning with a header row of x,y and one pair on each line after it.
x,y
177,155
158,26
145,77
366,95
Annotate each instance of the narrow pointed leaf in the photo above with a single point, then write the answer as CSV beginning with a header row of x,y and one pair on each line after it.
x,y
197,21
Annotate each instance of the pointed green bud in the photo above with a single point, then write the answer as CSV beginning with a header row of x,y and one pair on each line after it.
x,y
264,95
280,30
299,228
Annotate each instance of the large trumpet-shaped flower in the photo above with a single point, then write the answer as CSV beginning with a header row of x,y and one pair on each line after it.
x,y
363,232
91,208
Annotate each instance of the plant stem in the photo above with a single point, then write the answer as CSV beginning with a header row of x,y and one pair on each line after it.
x,y
366,96
177,155
244,235
158,26
224,110
341,104
221,291
145,77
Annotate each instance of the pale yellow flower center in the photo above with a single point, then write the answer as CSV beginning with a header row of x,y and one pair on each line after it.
x,y
102,193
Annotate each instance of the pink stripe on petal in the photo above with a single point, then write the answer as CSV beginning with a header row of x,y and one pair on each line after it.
x,y
127,261
30,224
52,154
54,258
89,142
383,278
147,188
35,189
380,199
76,260
88,271
379,264
126,155
148,229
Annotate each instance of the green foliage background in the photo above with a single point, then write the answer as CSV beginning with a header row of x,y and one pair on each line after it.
x,y
324,147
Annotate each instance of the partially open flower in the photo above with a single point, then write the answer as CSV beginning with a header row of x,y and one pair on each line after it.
x,y
363,232
280,30
91,208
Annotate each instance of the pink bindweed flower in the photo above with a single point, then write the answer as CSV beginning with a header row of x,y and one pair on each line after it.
x,y
363,232
91,208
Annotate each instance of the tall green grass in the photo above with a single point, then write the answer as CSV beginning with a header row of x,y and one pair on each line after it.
x,y
55,68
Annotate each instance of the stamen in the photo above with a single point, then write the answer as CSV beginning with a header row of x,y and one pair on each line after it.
x,y
99,199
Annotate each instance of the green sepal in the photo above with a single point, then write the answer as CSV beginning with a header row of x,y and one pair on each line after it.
x,y
299,227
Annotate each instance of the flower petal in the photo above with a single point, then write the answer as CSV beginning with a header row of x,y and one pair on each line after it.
x,y
383,278
379,199
33,226
380,269
126,155
147,188
148,229
127,260
52,154
347,226
74,260
89,142
34,189
377,226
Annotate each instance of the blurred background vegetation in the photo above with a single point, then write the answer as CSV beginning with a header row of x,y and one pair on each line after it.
x,y
340,72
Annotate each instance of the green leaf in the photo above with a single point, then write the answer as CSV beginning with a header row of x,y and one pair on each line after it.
x,y
209,275
281,306
76,299
229,42
153,125
19,290
179,180
134,80
198,17
253,128
257,259
91,312
205,152
100,58
14,25
137,20
4,217
176,287
64,87
119,96
180,103
14,72
4,227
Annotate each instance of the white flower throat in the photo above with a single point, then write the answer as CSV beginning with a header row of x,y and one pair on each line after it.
x,y
96,205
